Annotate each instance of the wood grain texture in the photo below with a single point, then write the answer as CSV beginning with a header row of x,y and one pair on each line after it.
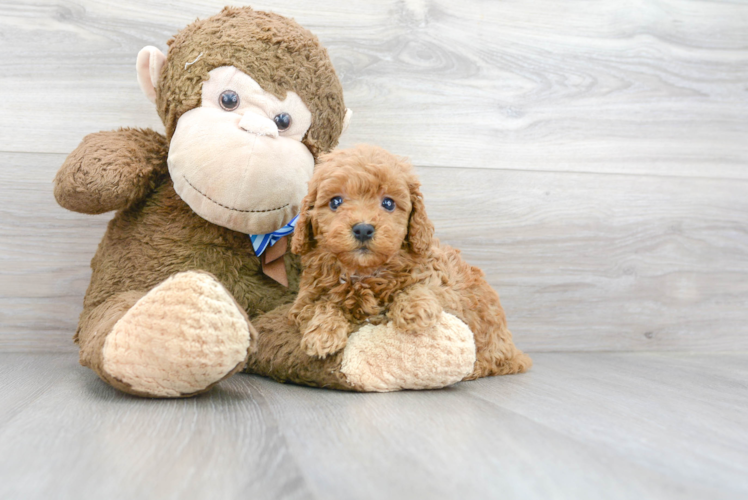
x,y
581,426
44,256
603,262
591,158
582,261
103,444
618,86
610,401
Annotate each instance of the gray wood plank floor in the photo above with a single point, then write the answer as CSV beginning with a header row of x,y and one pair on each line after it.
x,y
578,426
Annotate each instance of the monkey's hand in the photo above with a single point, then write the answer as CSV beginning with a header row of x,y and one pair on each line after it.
x,y
415,309
111,170
326,333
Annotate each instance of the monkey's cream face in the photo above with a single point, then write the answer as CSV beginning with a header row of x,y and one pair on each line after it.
x,y
238,160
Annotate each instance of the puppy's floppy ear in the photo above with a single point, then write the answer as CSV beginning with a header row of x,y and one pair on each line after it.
x,y
303,236
420,228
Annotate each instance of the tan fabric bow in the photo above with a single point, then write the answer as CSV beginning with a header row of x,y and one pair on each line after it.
x,y
273,263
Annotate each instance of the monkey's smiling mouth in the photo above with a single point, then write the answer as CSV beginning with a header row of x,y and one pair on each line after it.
x,y
227,207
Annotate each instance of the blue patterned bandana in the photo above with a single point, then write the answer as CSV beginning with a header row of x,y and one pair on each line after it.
x,y
261,242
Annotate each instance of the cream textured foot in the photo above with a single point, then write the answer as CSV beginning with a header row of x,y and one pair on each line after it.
x,y
180,338
382,359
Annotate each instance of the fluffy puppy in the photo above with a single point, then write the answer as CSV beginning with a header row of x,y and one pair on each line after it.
x,y
369,255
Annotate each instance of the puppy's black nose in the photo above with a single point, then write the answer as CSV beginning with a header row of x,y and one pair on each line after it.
x,y
363,232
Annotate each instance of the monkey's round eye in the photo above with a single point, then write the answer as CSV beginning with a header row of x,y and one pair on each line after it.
x,y
336,202
282,120
229,100
388,204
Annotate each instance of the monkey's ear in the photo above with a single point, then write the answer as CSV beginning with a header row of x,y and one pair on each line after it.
x,y
303,236
420,228
347,119
149,65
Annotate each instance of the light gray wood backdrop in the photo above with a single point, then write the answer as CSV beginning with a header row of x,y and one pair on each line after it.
x,y
592,157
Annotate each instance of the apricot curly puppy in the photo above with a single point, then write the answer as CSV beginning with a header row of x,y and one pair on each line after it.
x,y
369,255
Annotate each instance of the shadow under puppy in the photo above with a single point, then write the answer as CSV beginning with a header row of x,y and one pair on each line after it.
x,y
369,256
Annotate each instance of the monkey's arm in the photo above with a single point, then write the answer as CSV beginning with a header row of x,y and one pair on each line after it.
x,y
111,170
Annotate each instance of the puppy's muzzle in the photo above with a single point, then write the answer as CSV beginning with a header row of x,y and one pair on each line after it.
x,y
363,232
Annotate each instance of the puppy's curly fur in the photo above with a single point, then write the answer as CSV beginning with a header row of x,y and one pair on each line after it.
x,y
401,274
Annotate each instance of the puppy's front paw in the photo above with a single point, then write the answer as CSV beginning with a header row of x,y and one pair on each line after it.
x,y
321,340
415,316
415,310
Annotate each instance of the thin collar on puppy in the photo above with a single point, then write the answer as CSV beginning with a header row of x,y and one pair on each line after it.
x,y
357,277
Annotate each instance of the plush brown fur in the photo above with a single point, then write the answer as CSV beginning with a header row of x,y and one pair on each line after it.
x,y
278,53
154,234
402,274
112,170
281,356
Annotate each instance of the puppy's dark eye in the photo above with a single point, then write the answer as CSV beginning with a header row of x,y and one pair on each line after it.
x,y
282,121
336,202
388,204
229,100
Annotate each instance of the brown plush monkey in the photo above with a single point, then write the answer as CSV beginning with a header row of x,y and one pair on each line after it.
x,y
178,299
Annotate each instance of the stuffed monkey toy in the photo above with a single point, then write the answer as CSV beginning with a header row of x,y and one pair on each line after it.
x,y
193,280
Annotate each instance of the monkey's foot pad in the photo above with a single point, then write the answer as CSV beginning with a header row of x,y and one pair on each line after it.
x,y
182,337
382,358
